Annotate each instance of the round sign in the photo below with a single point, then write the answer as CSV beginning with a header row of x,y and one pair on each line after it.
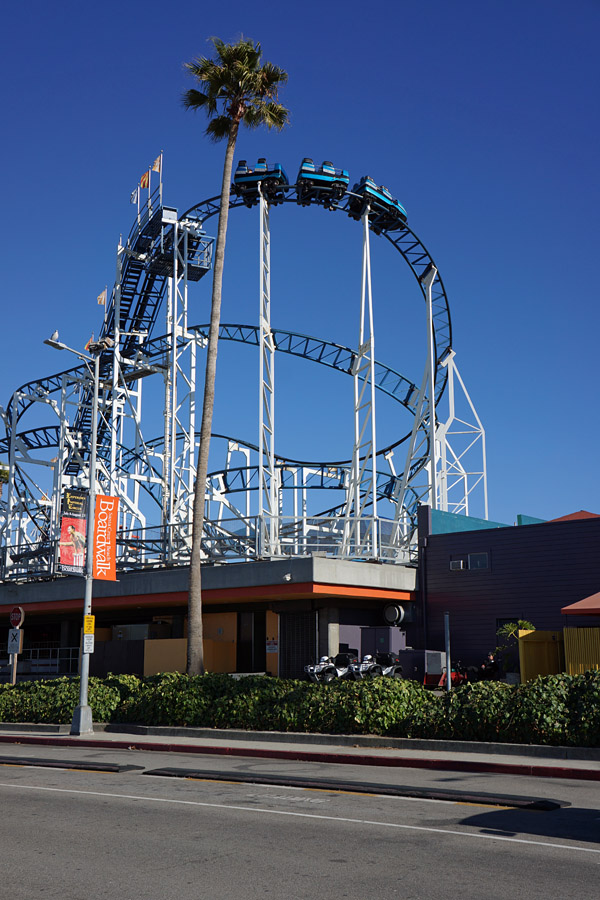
x,y
17,615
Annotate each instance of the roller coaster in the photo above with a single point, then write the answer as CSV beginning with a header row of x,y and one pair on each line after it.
x,y
259,504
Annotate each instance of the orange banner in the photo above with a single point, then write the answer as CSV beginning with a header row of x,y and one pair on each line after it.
x,y
105,537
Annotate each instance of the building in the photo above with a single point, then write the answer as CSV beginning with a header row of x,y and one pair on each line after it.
x,y
486,575
272,616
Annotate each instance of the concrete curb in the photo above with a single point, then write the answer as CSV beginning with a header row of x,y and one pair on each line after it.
x,y
453,765
539,751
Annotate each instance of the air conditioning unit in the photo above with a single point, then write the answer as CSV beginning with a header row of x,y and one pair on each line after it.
x,y
456,564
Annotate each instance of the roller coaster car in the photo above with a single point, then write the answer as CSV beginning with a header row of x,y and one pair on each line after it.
x,y
384,210
323,184
271,177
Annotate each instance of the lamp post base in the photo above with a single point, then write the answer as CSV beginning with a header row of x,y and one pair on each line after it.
x,y
82,720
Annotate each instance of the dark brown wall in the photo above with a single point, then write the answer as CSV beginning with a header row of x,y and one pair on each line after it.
x,y
534,571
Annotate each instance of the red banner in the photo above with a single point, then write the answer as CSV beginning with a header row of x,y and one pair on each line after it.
x,y
105,537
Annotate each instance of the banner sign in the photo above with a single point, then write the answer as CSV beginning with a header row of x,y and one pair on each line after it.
x,y
105,537
73,532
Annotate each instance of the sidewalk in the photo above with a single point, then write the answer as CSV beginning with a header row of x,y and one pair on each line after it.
x,y
357,750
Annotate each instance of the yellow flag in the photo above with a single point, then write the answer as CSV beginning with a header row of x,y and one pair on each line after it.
x,y
157,164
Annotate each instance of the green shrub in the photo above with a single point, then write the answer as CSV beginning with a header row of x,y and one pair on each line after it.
x,y
539,711
126,685
584,710
555,709
477,712
383,706
54,701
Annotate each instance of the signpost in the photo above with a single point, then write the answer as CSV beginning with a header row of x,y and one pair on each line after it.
x,y
89,623
15,639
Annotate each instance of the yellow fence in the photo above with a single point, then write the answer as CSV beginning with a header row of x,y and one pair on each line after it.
x,y
220,647
541,653
170,655
582,649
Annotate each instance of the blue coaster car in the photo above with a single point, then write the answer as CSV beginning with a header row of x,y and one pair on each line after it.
x,y
321,184
385,213
272,178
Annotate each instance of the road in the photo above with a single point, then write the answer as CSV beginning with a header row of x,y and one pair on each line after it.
x,y
84,835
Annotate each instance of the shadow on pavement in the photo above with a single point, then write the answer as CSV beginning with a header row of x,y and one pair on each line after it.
x,y
571,823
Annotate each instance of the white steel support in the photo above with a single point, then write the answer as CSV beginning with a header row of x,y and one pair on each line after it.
x,y
427,279
418,483
184,368
233,447
360,527
180,369
463,465
268,510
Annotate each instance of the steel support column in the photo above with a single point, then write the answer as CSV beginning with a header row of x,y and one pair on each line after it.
x,y
268,494
360,527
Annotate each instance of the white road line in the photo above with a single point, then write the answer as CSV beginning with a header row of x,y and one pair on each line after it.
x,y
301,815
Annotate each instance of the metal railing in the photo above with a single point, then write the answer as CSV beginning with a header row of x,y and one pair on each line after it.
x,y
235,539
44,660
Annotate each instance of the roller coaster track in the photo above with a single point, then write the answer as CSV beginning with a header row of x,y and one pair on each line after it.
x,y
146,264
325,353
406,243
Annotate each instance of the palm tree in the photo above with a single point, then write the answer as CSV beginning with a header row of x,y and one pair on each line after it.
x,y
236,88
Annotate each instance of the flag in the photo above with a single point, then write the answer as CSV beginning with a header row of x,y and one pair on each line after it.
x,y
145,179
134,196
157,164
91,341
102,298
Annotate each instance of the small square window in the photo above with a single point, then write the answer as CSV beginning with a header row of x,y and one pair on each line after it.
x,y
478,561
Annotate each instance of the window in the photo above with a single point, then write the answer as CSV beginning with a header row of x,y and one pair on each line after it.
x,y
478,561
471,561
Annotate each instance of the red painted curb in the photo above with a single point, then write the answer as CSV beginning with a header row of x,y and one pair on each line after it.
x,y
456,765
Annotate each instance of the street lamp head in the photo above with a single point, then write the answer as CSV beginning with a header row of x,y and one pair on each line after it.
x,y
54,342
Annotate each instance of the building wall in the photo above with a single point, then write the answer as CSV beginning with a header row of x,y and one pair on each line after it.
x,y
534,570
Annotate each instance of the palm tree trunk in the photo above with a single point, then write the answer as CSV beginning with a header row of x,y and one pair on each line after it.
x,y
195,651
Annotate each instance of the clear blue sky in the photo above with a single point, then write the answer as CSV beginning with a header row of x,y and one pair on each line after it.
x,y
481,116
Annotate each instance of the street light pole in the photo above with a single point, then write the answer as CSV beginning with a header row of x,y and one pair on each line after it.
x,y
82,715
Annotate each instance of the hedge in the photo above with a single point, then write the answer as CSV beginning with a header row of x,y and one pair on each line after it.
x,y
555,709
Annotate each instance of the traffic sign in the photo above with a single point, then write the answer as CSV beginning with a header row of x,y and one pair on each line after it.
x,y
15,641
17,616
88,624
